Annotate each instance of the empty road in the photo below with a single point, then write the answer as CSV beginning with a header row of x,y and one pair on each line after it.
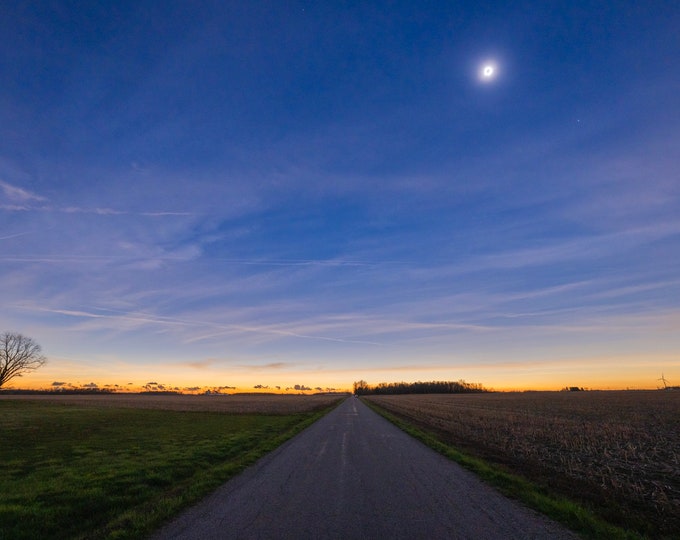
x,y
350,475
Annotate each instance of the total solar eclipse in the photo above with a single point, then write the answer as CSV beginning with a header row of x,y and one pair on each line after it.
x,y
488,71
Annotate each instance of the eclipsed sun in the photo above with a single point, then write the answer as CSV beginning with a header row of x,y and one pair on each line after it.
x,y
488,72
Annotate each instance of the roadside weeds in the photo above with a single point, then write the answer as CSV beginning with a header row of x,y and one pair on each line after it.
x,y
573,515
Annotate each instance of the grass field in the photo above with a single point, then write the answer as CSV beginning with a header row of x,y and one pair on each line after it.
x,y
237,404
617,453
118,466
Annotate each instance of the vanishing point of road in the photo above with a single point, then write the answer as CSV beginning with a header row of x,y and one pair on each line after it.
x,y
352,474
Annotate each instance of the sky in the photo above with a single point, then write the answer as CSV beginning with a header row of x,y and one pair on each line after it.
x,y
270,194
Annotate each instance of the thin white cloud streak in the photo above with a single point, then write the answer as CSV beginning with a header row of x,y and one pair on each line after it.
x,y
93,211
587,248
476,311
169,321
406,276
15,193
555,290
25,199
574,297
80,259
585,321
290,319
17,235
543,365
112,212
426,315
575,306
165,213
456,289
360,324
636,289
15,208
566,175
363,329
68,259
307,262
603,324
62,259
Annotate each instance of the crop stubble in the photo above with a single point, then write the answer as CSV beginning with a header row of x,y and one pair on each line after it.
x,y
619,450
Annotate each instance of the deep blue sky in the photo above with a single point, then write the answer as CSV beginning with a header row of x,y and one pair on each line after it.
x,y
243,193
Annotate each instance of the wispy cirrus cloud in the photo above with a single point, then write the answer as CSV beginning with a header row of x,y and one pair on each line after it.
x,y
98,211
19,199
17,194
16,235
137,318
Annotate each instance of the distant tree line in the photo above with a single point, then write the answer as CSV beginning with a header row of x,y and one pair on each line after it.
x,y
362,388
58,391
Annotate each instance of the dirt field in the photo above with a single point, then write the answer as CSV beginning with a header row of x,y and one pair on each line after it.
x,y
619,451
239,404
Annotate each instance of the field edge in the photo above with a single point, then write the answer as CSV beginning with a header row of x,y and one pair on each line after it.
x,y
573,515
142,521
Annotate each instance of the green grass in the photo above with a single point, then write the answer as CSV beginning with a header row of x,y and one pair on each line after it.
x,y
573,515
72,472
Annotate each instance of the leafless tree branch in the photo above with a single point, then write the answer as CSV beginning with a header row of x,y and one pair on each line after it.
x,y
18,354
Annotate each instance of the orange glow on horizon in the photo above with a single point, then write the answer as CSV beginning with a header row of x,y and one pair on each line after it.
x,y
599,373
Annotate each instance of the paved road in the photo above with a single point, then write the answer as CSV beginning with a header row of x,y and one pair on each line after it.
x,y
351,475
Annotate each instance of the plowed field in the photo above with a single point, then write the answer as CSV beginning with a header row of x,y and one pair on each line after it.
x,y
618,452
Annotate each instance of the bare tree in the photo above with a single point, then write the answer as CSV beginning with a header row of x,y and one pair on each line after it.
x,y
18,354
361,387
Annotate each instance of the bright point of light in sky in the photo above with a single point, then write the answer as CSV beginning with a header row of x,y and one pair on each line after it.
x,y
488,71
243,194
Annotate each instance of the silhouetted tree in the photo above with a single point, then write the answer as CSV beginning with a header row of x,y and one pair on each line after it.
x,y
361,387
430,387
18,354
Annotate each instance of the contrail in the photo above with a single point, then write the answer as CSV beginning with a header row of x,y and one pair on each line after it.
x,y
96,211
14,235
153,319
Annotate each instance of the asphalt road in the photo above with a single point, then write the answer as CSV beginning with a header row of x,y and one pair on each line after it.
x,y
351,475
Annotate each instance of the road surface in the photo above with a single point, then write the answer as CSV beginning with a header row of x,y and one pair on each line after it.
x,y
353,474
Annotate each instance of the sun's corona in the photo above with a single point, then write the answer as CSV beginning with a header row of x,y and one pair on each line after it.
x,y
488,71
